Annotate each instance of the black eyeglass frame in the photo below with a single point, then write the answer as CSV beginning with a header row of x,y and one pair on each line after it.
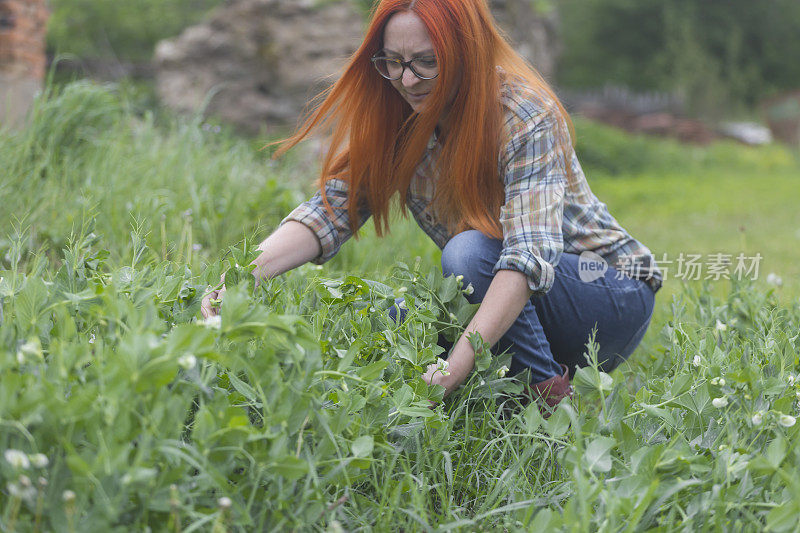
x,y
403,64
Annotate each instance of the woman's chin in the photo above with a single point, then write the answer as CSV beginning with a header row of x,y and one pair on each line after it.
x,y
417,107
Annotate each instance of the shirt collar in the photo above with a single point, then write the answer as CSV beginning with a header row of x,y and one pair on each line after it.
x,y
433,140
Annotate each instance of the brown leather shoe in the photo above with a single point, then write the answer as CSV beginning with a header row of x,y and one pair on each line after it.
x,y
550,392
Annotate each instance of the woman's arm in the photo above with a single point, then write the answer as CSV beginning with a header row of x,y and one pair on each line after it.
x,y
290,246
501,306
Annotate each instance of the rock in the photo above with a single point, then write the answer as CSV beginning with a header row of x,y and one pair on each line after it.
x,y
22,57
654,123
533,30
256,63
746,132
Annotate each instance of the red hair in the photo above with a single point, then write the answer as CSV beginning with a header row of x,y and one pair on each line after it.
x,y
377,140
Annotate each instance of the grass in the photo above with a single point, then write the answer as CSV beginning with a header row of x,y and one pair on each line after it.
x,y
304,407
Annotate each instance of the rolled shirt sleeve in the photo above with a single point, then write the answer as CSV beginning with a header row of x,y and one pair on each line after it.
x,y
334,231
535,180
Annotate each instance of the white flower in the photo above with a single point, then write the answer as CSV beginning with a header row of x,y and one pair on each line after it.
x,y
68,496
720,326
402,305
224,502
715,381
758,417
774,279
719,403
213,322
401,290
187,361
17,459
483,382
91,339
32,348
39,460
459,277
721,382
697,361
787,421
453,317
790,379
22,489
442,364
502,371
469,289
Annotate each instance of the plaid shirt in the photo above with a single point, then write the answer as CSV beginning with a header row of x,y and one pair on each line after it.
x,y
546,211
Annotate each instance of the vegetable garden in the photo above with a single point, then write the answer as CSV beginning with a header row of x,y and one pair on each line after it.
x,y
302,406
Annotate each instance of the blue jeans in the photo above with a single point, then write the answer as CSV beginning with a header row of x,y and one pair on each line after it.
x,y
554,328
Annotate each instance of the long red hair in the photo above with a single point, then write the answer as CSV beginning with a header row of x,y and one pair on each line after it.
x,y
377,140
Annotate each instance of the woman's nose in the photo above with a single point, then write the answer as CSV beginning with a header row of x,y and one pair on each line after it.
x,y
409,78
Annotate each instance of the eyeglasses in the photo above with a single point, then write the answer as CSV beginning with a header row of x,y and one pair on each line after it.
x,y
425,68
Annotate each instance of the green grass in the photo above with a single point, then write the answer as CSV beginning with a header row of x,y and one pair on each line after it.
x,y
305,407
189,186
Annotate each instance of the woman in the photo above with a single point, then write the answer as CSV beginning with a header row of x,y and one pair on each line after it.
x,y
436,106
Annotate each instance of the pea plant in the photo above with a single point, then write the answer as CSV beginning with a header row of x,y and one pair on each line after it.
x,y
301,406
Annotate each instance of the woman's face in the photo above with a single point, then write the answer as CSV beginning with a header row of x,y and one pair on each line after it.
x,y
405,37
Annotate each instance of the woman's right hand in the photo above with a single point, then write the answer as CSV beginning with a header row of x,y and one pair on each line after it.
x,y
290,246
213,299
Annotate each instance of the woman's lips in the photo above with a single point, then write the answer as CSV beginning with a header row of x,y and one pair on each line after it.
x,y
416,97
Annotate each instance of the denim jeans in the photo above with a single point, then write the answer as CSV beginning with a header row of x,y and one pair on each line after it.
x,y
554,328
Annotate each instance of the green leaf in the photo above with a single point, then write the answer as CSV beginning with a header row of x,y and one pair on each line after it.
x,y
659,412
413,412
350,355
362,446
533,418
448,467
291,467
776,451
558,424
243,388
404,396
598,454
589,381
373,370
783,517
407,352
448,289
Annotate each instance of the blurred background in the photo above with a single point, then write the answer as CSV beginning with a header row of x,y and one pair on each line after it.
x,y
256,62
687,115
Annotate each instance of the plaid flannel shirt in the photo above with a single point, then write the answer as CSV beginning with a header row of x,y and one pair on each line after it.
x,y
546,211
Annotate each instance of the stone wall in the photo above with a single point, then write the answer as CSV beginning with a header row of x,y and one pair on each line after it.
x,y
256,63
534,32
22,56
